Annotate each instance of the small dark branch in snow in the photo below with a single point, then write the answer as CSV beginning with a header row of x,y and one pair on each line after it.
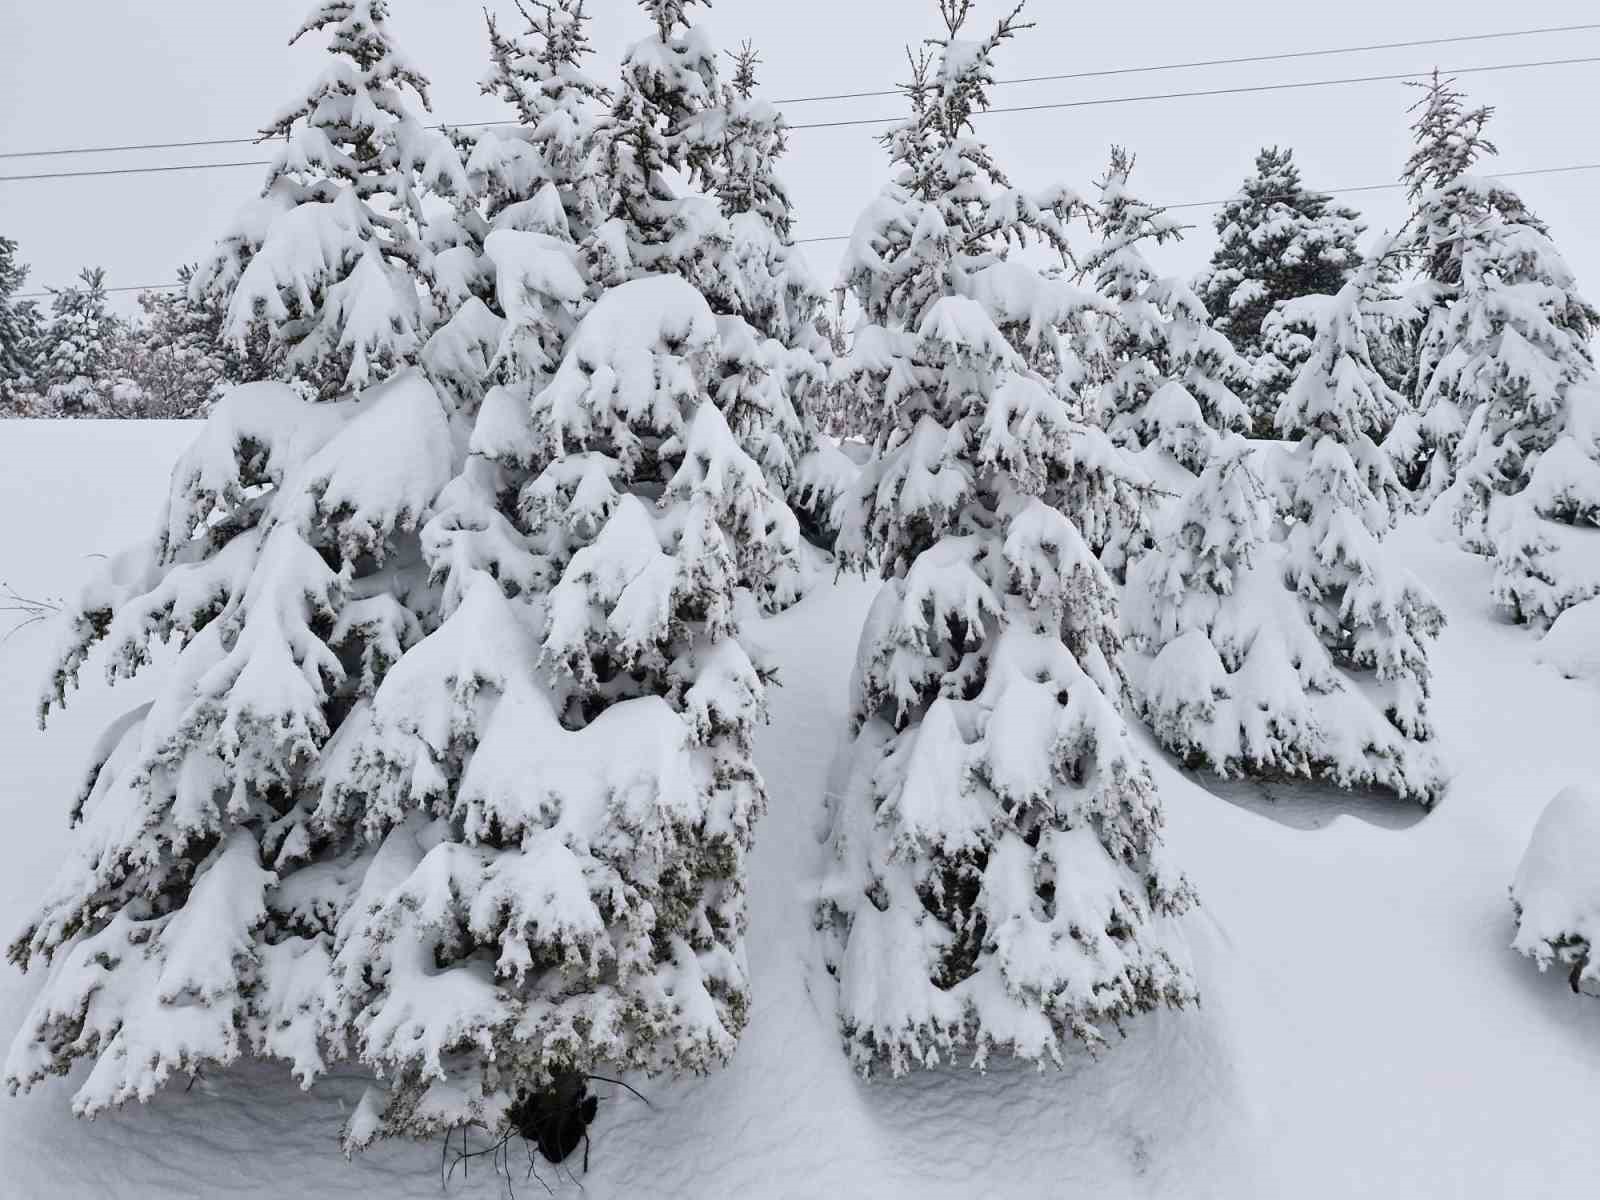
x,y
629,1086
29,609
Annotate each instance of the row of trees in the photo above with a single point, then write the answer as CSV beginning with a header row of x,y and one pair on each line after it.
x,y
81,359
539,430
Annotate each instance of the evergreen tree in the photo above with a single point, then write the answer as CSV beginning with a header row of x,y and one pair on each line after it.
x,y
777,354
375,810
658,126
1528,490
1342,498
1277,241
506,264
19,335
607,891
1171,376
177,356
1230,673
1448,140
78,351
1510,399
540,74
997,873
330,265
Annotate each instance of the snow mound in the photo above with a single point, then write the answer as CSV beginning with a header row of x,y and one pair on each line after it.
x,y
1556,893
1572,646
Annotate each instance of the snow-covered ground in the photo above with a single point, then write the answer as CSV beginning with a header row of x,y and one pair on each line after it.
x,y
1365,1028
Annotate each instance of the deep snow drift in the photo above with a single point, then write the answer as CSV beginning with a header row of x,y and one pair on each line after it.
x,y
1365,1026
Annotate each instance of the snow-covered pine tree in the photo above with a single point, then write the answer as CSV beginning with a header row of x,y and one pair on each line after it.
x,y
19,335
579,909
374,810
1510,396
1448,140
1228,670
1277,241
776,353
234,841
1342,497
1529,460
79,349
193,920
658,125
1171,375
998,881
329,265
509,263
506,261
177,356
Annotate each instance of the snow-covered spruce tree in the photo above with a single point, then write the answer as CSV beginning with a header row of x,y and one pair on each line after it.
x,y
1277,241
193,920
19,335
1510,407
79,349
1529,460
997,880
1448,140
329,265
506,264
1342,498
176,355
777,352
1228,670
580,909
1171,375
375,811
659,124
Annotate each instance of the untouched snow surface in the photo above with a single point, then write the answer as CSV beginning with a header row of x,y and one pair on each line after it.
x,y
1365,1027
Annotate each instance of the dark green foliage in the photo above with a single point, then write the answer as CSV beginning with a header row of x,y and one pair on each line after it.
x,y
19,332
1278,241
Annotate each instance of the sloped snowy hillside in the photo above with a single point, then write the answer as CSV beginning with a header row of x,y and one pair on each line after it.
x,y
1365,1029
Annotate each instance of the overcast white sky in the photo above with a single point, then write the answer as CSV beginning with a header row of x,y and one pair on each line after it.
x,y
104,72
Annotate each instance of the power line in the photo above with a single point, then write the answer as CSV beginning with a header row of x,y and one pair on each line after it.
x,y
1024,108
264,162
1223,62
138,287
1284,56
845,237
1227,91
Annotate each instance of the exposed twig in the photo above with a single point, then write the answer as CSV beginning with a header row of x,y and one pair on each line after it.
x,y
31,609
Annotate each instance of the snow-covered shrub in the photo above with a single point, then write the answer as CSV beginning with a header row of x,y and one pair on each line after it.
x,y
997,878
1556,893
1572,645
